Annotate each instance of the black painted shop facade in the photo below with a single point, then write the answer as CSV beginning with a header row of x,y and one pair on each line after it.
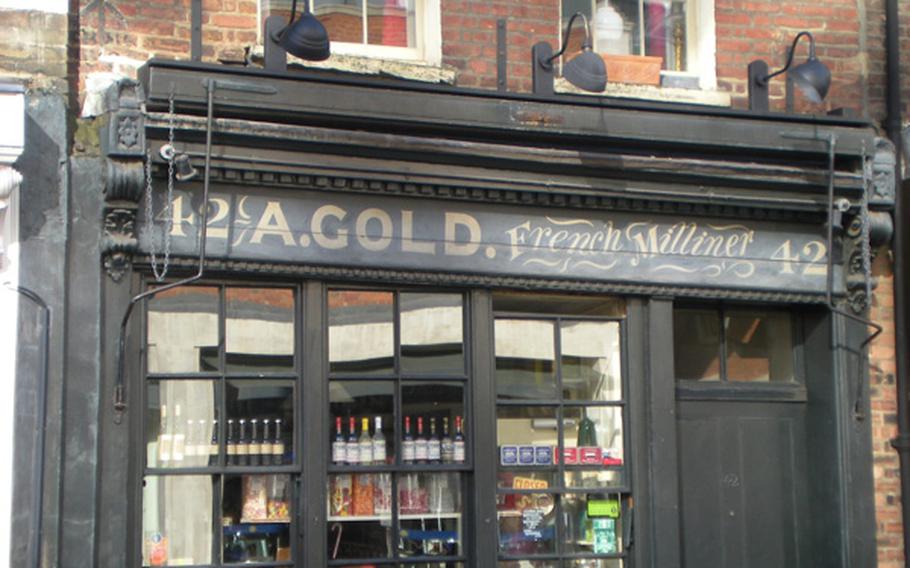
x,y
624,308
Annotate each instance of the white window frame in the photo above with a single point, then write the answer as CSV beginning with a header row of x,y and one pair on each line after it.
x,y
701,43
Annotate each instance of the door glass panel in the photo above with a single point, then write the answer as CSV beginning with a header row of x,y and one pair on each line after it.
x,y
526,435
260,422
696,335
591,523
361,332
527,524
430,513
360,515
349,403
593,435
256,517
593,478
759,346
177,524
259,329
183,330
180,418
590,361
525,359
432,333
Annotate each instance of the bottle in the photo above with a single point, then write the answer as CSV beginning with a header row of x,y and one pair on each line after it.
x,y
179,438
231,444
352,448
164,439
379,453
277,445
407,443
365,443
255,442
339,447
420,443
266,446
434,448
213,444
243,444
459,441
382,494
587,432
447,445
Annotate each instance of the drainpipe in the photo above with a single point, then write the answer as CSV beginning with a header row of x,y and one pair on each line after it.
x,y
893,125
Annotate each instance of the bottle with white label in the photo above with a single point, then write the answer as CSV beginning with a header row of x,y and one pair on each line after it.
x,y
339,445
434,447
459,441
379,451
365,443
255,442
352,448
407,443
447,445
179,438
420,443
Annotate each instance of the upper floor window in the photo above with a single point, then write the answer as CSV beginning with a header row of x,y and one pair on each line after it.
x,y
679,32
393,29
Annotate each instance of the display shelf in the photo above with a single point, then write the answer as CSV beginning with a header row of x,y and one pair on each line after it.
x,y
409,517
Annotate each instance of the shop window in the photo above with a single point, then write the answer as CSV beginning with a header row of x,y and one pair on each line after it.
x,y
390,29
678,32
733,345
400,447
561,428
220,460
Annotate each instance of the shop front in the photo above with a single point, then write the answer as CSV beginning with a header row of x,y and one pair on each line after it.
x,y
438,327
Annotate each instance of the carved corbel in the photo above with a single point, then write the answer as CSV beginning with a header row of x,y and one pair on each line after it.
x,y
123,143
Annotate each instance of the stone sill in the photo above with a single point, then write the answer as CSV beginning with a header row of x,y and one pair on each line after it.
x,y
652,93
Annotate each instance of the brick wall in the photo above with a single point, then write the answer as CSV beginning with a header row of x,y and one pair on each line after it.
x,y
33,44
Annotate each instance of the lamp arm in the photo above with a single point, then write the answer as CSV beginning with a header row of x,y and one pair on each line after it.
x,y
764,80
565,42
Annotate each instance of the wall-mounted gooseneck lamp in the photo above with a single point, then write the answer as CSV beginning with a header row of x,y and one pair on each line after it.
x,y
304,37
586,70
812,77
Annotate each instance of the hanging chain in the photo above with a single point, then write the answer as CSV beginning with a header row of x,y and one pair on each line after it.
x,y
866,243
169,204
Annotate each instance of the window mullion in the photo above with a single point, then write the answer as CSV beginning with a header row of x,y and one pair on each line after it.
x,y
365,21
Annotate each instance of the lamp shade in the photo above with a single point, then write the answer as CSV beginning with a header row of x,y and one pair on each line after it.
x,y
586,71
306,38
813,78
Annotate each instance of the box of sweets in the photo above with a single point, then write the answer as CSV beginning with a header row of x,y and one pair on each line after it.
x,y
525,455
508,455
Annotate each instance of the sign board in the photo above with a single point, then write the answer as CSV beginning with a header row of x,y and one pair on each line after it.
x,y
412,234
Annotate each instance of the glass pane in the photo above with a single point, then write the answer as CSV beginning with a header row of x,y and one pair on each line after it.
x,y
593,436
361,332
432,335
577,33
256,516
360,515
759,346
696,345
391,22
525,479
343,19
591,524
665,32
593,478
525,359
183,330
527,524
435,565
529,564
590,361
259,330
616,27
177,524
526,435
260,422
430,512
594,563
352,402
434,422
181,424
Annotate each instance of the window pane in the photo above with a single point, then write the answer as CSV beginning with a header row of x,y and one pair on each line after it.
x,y
177,524
525,359
665,32
356,400
391,22
529,564
593,436
256,517
183,330
343,19
260,422
594,563
696,345
525,478
430,513
526,435
432,336
179,423
360,515
259,331
591,523
616,27
590,361
439,408
593,478
527,524
759,346
361,332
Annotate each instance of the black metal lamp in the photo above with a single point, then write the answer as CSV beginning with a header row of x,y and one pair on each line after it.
x,y
305,38
183,168
812,77
586,70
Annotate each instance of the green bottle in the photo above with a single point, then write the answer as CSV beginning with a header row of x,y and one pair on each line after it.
x,y
587,434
